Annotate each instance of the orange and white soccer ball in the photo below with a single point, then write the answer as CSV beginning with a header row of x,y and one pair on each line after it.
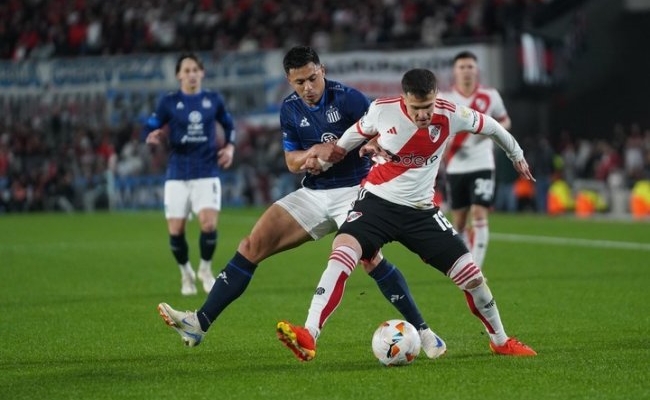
x,y
396,342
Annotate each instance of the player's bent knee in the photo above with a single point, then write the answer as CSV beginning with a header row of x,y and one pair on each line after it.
x,y
245,246
254,248
368,266
209,227
474,283
465,273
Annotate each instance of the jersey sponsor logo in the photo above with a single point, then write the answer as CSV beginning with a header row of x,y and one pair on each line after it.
x,y
333,115
434,133
413,160
304,122
193,139
195,132
206,103
328,137
353,216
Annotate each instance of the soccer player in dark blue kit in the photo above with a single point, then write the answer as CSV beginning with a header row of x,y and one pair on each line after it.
x,y
312,118
192,181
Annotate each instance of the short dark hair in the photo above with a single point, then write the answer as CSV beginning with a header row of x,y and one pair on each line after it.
x,y
419,82
299,56
465,54
191,56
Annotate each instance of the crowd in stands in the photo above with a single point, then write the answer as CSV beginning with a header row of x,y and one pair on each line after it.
x,y
62,155
55,28
613,161
61,162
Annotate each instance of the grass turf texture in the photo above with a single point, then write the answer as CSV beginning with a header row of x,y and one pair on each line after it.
x,y
78,296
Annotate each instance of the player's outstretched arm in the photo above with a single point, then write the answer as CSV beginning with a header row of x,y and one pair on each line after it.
x,y
522,167
505,140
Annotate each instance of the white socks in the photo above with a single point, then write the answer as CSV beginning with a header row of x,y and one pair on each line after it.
x,y
481,235
479,299
330,288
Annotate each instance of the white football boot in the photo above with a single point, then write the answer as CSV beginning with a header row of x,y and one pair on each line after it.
x,y
186,323
432,345
188,281
205,276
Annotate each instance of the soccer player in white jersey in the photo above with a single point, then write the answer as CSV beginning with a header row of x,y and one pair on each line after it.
x,y
311,118
469,162
192,181
395,201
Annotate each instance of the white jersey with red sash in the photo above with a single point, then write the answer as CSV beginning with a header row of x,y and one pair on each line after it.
x,y
408,177
467,152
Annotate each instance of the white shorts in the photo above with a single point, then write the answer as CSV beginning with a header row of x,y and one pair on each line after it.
x,y
319,212
194,195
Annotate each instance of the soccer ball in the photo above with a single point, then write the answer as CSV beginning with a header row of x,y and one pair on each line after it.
x,y
396,342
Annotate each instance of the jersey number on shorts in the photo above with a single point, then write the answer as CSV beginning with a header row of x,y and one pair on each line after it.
x,y
484,188
442,221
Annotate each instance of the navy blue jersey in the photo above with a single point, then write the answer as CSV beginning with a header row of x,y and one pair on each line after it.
x,y
192,132
304,126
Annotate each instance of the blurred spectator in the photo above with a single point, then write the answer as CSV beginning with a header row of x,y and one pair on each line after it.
x,y
541,158
45,28
607,161
505,198
633,154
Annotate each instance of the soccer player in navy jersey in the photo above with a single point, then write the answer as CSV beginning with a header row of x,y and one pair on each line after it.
x,y
311,118
192,181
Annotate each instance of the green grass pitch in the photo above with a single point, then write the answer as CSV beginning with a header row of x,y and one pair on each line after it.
x,y
78,296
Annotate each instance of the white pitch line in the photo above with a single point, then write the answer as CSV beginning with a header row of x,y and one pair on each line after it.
x,y
507,237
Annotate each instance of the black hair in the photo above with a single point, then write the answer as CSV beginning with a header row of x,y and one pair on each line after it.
x,y
191,56
299,56
465,54
419,82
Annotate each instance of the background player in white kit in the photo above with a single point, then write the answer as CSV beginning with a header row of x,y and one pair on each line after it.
x,y
192,180
395,202
469,160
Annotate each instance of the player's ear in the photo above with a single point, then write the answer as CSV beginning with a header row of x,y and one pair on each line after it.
x,y
322,68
